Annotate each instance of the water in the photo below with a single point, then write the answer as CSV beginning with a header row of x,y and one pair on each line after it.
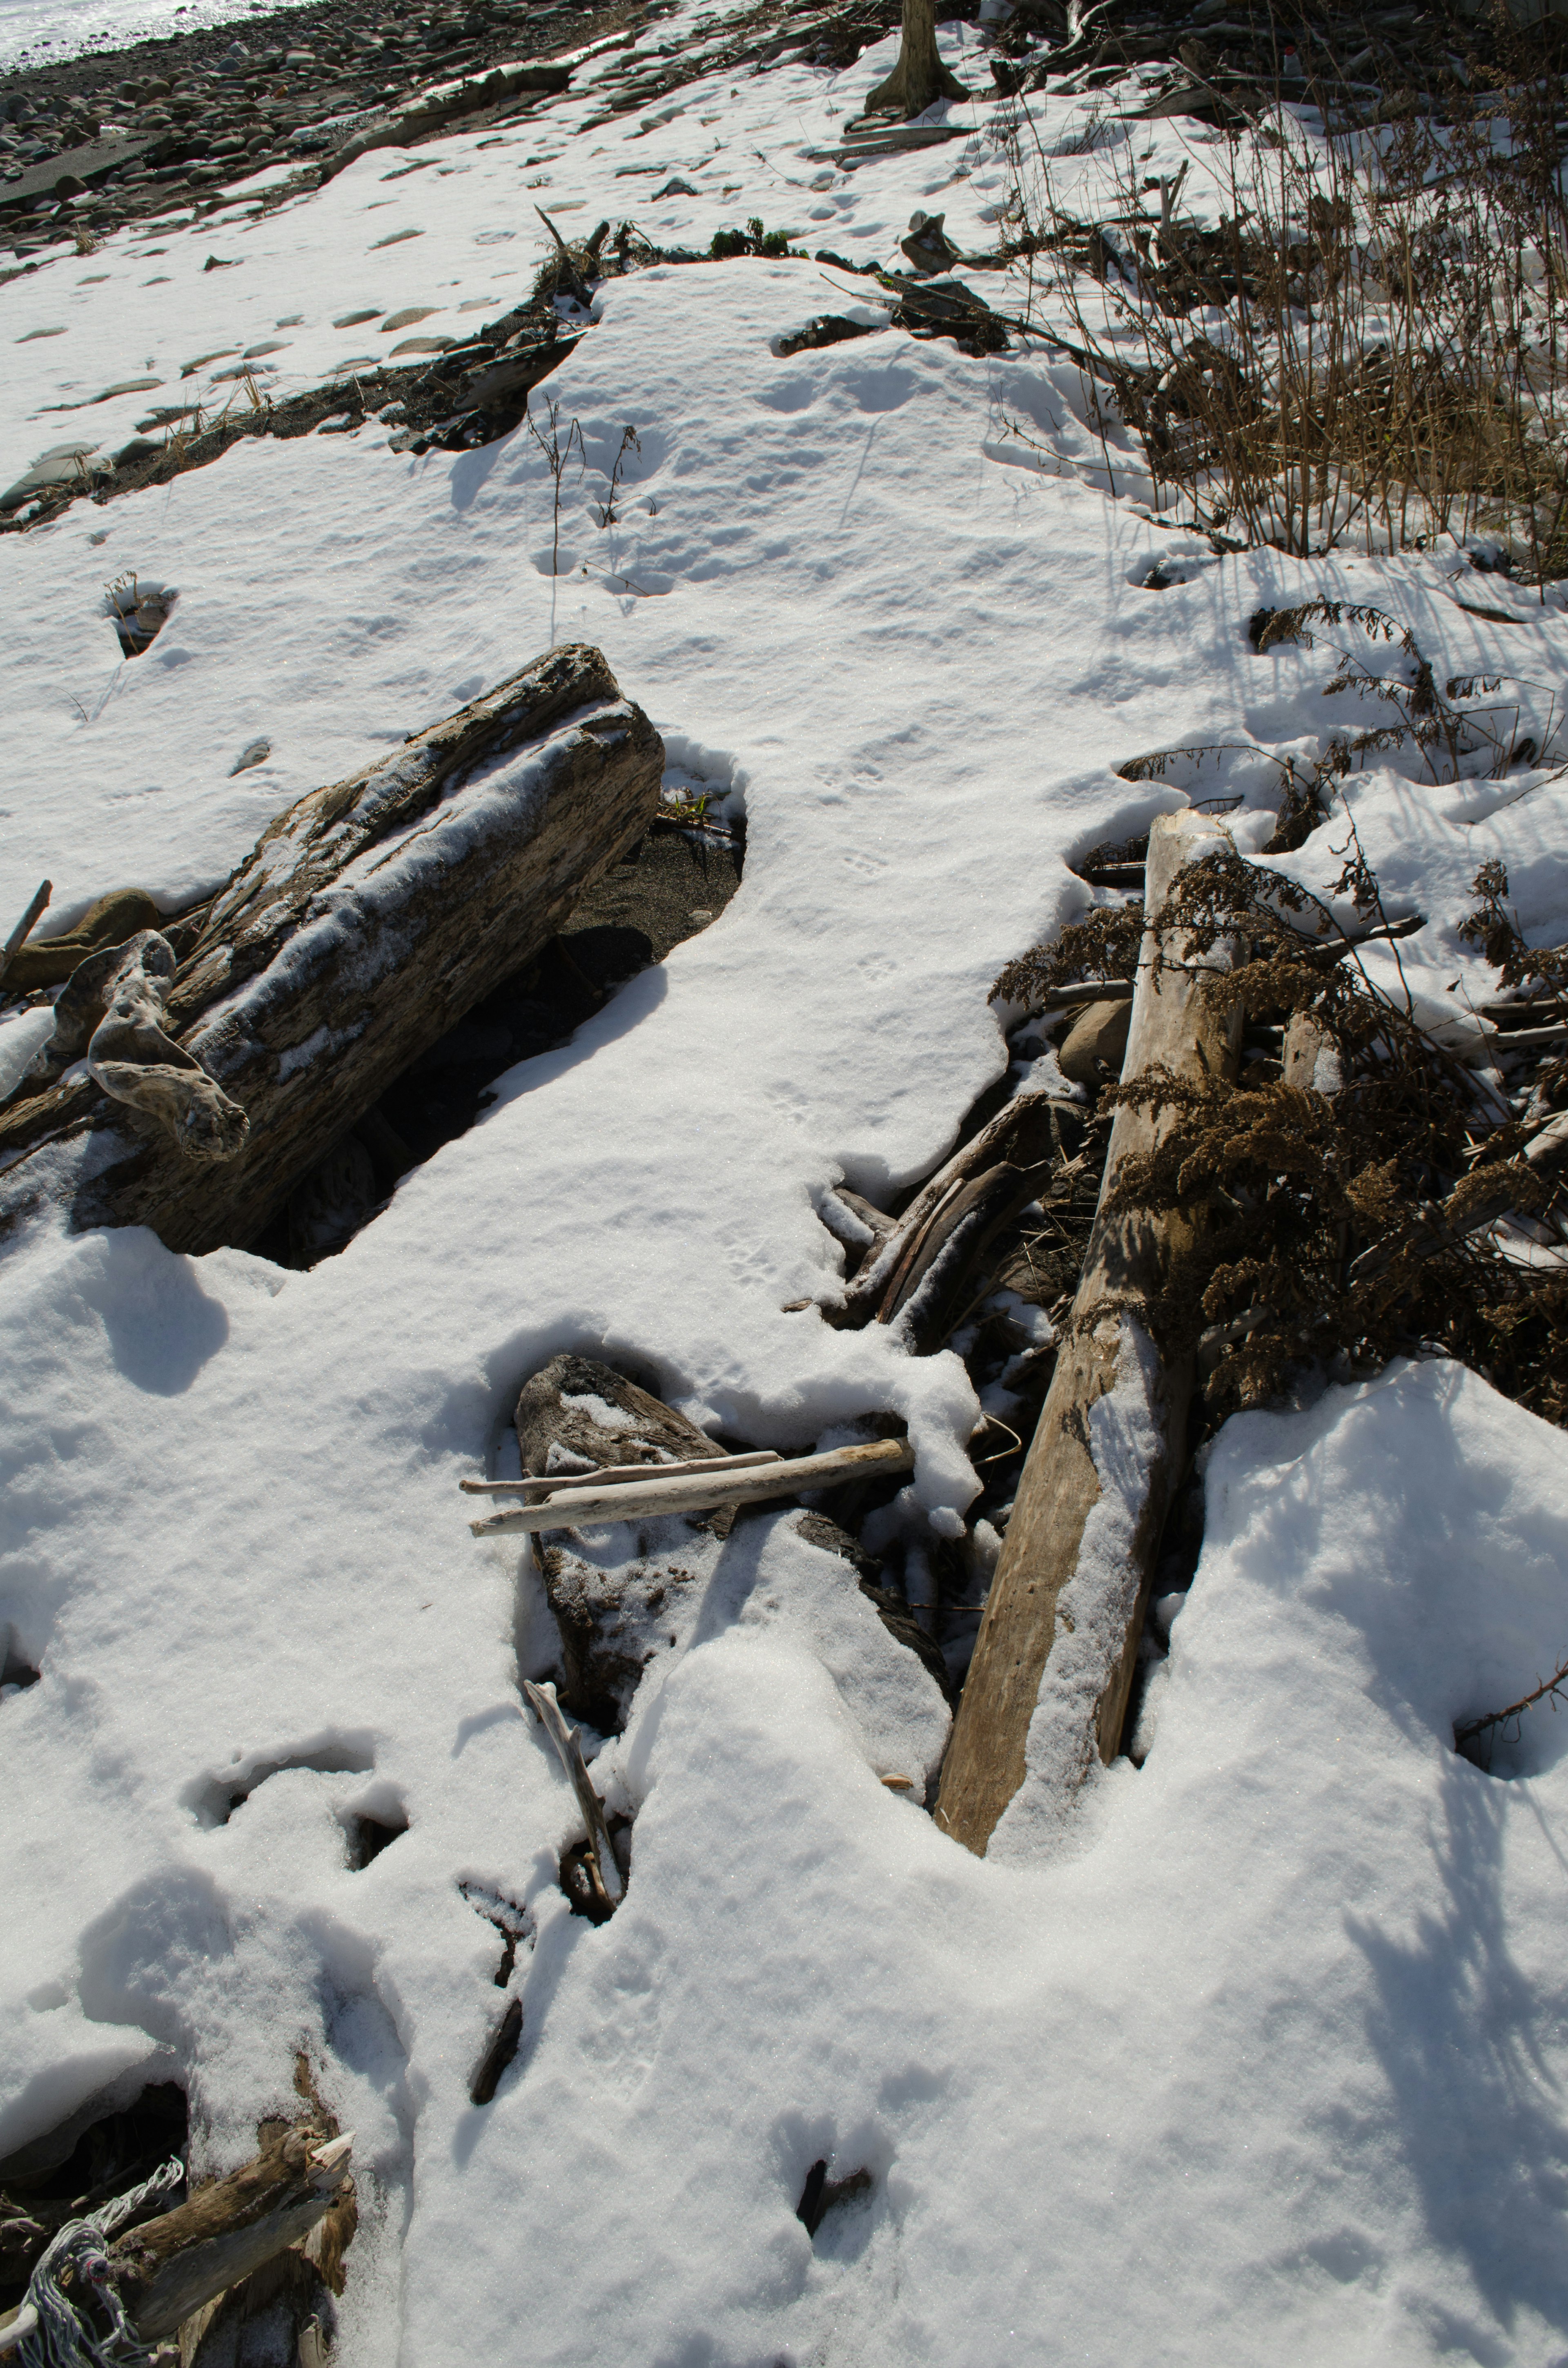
x,y
40,32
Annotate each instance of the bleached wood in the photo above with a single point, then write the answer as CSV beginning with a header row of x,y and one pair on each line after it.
x,y
630,1500
171,2266
17,2326
604,1866
533,1481
1014,1123
1128,1258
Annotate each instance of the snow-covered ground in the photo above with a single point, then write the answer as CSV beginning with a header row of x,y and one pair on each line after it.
x,y
1270,2064
34,35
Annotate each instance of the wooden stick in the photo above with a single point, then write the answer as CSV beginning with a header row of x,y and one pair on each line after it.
x,y
21,933
629,1500
1074,1666
614,1471
603,1869
171,2266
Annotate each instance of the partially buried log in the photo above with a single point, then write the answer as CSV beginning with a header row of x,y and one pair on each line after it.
x,y
367,920
1054,1658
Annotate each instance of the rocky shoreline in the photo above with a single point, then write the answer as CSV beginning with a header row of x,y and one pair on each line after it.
x,y
102,138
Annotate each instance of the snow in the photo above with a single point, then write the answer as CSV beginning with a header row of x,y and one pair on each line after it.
x,y
1270,2063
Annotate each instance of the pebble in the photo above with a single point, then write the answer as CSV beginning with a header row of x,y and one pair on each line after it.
x,y
352,320
403,319
424,346
256,754
397,238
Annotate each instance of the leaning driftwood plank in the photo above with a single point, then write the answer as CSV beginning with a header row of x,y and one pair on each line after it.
x,y
604,1868
1074,1667
367,920
583,1508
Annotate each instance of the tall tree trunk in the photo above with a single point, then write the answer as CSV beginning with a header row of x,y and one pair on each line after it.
x,y
919,77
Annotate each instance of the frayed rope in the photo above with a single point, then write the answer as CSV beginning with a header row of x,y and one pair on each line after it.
x,y
64,2337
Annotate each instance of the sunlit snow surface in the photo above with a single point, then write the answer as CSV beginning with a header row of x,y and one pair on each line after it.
x,y
1266,2062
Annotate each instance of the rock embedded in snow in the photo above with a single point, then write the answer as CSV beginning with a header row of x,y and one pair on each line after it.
x,y
1095,1041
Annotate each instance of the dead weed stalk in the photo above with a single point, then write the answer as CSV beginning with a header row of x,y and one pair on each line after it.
x,y
1367,344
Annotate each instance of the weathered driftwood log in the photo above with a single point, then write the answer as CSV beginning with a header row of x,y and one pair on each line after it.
x,y
1059,1639
363,925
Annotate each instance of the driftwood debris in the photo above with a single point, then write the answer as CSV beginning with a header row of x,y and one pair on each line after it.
x,y
634,1499
918,1263
23,929
169,2268
708,1467
111,1016
1062,1621
600,1864
109,920
367,920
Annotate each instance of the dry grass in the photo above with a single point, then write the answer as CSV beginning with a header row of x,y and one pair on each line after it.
x,y
1360,342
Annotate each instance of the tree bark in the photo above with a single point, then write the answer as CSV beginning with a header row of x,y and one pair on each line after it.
x,y
919,77
367,920
1054,1658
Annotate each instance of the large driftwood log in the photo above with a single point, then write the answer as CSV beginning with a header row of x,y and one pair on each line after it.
x,y
1060,1635
367,920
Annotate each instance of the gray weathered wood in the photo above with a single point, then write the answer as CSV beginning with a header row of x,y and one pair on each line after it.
x,y
1023,1638
710,1467
1020,1133
367,920
169,2266
632,1499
